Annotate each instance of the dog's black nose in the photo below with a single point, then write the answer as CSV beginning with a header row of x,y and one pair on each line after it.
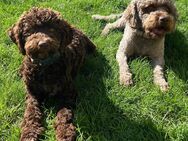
x,y
163,19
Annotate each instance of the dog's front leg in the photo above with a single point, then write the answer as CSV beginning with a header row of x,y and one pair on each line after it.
x,y
31,127
159,78
64,128
124,72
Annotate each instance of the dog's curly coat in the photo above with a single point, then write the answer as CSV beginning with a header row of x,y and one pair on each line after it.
x,y
53,53
146,22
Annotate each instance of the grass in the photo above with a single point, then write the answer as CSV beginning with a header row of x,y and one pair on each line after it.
x,y
105,110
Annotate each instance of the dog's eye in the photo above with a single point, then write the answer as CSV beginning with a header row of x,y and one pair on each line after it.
x,y
167,9
149,9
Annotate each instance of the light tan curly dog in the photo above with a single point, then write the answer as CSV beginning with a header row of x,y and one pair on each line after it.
x,y
146,23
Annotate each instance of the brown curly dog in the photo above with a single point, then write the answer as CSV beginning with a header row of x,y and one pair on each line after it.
x,y
53,53
145,24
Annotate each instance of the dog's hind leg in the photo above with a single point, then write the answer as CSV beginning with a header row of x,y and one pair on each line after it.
x,y
120,23
107,18
31,127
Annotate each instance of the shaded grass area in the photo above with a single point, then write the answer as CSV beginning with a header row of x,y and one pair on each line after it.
x,y
105,110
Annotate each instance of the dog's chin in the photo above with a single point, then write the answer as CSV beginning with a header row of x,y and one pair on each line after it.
x,y
33,60
37,57
44,58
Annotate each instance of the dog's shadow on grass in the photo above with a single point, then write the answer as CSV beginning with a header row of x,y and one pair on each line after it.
x,y
176,54
97,117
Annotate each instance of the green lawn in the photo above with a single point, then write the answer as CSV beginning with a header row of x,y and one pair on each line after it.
x,y
105,110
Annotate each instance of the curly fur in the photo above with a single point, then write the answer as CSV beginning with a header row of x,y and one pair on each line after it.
x,y
53,53
145,24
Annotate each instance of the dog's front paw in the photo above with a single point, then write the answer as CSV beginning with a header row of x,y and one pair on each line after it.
x,y
66,132
126,79
31,133
163,85
28,138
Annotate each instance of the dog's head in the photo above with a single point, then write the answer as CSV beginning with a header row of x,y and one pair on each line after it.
x,y
154,17
43,43
39,33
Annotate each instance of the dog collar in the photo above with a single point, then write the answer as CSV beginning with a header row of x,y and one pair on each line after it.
x,y
48,61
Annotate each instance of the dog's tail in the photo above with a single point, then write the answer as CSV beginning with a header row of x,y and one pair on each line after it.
x,y
107,18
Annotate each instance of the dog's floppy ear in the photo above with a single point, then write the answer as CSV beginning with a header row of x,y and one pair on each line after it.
x,y
15,34
174,12
132,15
